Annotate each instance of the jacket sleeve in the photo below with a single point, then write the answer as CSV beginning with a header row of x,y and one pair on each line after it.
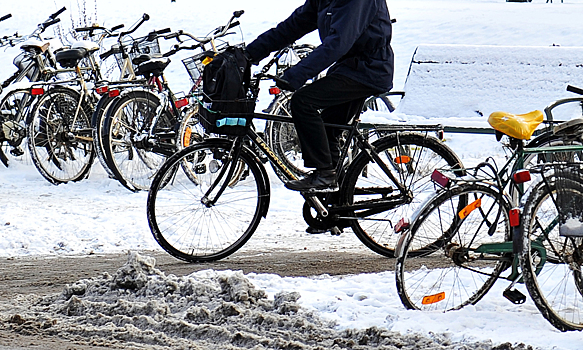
x,y
301,22
348,20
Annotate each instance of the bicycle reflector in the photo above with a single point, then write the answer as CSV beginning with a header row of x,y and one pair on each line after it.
x,y
432,299
274,90
470,208
181,103
37,91
401,225
113,93
102,89
402,159
186,137
521,176
439,178
514,217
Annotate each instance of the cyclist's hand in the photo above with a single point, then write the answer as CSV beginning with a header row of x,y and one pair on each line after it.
x,y
250,58
284,85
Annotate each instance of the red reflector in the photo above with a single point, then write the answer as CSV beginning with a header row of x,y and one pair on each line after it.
x,y
181,103
439,178
274,90
102,89
113,93
401,225
514,217
521,176
37,91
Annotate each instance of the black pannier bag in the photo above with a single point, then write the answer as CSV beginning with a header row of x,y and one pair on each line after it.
x,y
226,107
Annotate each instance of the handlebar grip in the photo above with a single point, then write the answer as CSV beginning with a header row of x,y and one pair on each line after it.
x,y
87,29
50,23
163,31
238,14
234,24
146,17
109,53
119,26
5,17
574,89
54,15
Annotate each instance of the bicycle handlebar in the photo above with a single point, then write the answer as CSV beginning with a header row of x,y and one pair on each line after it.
x,y
49,23
56,14
574,89
145,17
5,17
217,33
153,35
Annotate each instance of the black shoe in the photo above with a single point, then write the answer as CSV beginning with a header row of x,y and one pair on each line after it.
x,y
316,181
315,231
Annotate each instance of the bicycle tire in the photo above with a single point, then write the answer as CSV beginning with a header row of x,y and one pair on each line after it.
x,y
379,104
126,146
97,122
185,227
59,135
557,289
15,108
450,272
366,182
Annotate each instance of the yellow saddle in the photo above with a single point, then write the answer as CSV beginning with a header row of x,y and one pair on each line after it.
x,y
519,126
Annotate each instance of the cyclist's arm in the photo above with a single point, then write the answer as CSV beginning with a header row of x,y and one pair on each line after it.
x,y
301,22
348,21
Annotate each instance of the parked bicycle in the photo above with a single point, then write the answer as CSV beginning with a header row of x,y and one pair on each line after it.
x,y
471,233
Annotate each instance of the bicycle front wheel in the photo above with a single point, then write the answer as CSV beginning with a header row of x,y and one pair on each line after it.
x,y
59,136
411,158
456,259
15,107
130,151
551,263
187,216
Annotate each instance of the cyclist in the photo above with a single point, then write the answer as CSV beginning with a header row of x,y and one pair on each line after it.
x,y
356,38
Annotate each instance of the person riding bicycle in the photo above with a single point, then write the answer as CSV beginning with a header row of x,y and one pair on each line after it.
x,y
356,43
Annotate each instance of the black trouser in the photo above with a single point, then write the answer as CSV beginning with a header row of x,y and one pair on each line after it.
x,y
332,99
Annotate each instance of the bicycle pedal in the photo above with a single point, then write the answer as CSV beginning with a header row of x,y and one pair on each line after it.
x,y
335,231
515,296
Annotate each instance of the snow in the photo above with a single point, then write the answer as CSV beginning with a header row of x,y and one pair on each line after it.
x,y
98,215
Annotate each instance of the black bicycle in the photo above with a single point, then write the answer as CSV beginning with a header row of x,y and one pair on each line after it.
x,y
207,200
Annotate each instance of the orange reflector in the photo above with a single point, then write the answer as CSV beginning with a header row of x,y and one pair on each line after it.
x,y
432,299
102,89
186,137
470,208
181,103
113,93
514,217
207,60
402,160
37,91
274,90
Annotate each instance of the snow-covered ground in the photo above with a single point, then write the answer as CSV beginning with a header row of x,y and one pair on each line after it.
x,y
98,215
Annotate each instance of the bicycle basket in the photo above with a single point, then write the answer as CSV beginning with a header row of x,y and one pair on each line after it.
x,y
569,200
136,47
227,117
195,67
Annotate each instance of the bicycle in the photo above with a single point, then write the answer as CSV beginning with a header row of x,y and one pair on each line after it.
x,y
35,63
185,207
469,233
143,128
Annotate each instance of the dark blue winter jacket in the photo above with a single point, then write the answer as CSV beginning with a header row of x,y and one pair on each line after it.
x,y
355,35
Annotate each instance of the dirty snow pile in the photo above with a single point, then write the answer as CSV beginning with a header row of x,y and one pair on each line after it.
x,y
140,306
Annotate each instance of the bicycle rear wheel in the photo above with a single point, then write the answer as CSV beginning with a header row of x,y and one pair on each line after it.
x,y
129,150
59,137
15,107
184,221
557,289
411,158
453,266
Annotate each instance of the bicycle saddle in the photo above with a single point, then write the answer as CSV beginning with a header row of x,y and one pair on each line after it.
x,y
85,44
153,66
69,58
518,126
